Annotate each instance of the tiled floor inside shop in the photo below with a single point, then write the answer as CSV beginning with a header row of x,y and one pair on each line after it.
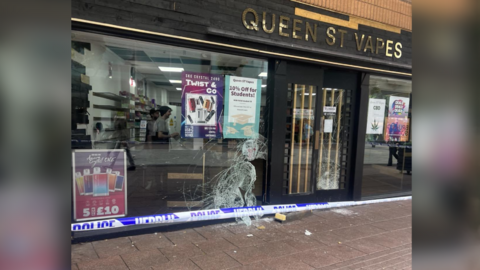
x,y
375,236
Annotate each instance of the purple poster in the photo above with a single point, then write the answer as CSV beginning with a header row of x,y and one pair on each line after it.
x,y
202,105
99,184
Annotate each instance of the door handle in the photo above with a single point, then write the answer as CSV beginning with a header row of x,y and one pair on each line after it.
x,y
317,138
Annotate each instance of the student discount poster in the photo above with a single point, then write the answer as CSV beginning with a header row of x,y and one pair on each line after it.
x,y
242,107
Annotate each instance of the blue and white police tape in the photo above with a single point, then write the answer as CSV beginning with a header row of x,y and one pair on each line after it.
x,y
222,213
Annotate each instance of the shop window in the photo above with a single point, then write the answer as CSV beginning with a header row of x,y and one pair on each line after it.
x,y
388,146
193,165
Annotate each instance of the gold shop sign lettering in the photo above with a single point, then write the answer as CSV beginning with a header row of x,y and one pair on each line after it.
x,y
308,31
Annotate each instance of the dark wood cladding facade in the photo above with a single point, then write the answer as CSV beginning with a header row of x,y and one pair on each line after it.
x,y
221,21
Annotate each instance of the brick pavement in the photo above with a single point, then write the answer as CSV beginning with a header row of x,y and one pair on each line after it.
x,y
376,236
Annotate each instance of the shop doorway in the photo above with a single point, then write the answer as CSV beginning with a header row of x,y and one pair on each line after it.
x,y
318,125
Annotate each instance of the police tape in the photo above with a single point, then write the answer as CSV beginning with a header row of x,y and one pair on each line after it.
x,y
222,213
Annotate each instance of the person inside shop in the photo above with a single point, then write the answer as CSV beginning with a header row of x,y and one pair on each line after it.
x,y
307,130
151,126
163,134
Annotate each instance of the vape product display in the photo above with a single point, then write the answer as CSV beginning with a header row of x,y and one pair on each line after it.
x,y
119,181
88,182
200,109
201,116
207,105
80,184
111,180
210,115
191,105
100,183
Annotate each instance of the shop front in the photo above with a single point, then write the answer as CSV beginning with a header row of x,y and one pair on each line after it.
x,y
274,104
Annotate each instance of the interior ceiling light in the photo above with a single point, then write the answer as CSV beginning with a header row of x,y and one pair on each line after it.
x,y
171,69
175,81
264,85
179,88
263,74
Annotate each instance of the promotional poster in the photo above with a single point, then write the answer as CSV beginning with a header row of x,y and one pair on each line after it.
x,y
376,116
242,107
202,105
99,184
398,107
396,129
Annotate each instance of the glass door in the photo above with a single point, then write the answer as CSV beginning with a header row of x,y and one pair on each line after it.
x,y
318,158
331,174
299,142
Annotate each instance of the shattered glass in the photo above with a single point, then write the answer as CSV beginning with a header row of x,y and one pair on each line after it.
x,y
331,142
233,186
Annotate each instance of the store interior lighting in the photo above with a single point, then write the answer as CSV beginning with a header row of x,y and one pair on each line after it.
x,y
263,74
171,69
175,81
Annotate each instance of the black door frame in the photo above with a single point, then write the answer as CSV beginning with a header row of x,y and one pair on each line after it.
x,y
278,80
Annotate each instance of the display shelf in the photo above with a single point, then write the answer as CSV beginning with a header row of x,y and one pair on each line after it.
x,y
109,107
110,96
141,111
95,118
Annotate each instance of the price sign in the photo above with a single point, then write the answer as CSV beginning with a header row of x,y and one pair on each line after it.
x,y
99,184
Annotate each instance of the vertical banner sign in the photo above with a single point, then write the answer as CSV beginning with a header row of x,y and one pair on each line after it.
x,y
202,105
376,116
99,184
242,107
397,123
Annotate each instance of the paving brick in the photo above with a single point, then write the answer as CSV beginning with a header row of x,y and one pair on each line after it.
x,y
215,246
110,263
366,246
343,252
390,225
114,247
386,240
144,259
292,229
248,255
271,235
180,252
184,237
285,263
150,241
277,249
383,264
241,229
254,266
315,258
215,261
185,264
368,230
74,266
350,233
329,238
303,243
242,240
83,252
214,232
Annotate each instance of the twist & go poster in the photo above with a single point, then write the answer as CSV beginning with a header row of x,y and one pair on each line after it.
x,y
242,107
99,184
202,105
